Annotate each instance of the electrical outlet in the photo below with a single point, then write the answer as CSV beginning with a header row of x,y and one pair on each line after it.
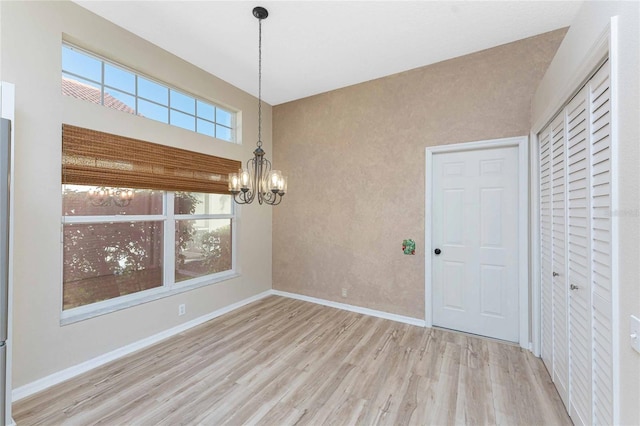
x,y
182,309
344,292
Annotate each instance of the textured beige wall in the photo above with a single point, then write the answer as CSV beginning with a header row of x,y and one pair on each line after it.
x,y
356,162
32,33
590,23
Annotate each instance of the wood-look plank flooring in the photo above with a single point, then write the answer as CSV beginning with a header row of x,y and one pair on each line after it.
x,y
280,361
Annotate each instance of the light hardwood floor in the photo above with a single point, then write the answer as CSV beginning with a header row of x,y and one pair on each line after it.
x,y
280,361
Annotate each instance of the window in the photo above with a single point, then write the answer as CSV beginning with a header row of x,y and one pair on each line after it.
x,y
115,245
124,244
93,79
203,234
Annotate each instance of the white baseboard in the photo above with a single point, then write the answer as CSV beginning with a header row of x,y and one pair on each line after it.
x,y
60,376
352,308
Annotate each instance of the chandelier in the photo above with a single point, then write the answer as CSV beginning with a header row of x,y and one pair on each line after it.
x,y
258,179
103,197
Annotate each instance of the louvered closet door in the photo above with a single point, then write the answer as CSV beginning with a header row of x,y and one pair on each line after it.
x,y
546,251
601,235
559,247
576,252
578,258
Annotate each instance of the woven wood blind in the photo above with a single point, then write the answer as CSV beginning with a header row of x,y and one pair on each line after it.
x,y
90,157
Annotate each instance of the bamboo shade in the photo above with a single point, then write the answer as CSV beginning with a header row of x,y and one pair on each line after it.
x,y
90,157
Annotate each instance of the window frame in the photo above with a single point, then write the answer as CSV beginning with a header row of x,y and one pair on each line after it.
x,y
103,87
173,217
169,286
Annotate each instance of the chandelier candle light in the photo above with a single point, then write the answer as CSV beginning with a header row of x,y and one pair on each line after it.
x,y
258,178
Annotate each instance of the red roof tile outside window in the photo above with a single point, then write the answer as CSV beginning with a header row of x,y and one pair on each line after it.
x,y
83,91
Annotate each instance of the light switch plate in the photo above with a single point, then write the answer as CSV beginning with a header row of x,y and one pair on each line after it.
x,y
635,332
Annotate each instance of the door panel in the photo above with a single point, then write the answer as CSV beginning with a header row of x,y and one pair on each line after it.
x,y
475,224
546,251
491,209
559,275
579,260
601,248
492,283
453,222
453,279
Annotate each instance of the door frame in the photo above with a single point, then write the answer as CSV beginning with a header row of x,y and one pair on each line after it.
x,y
522,143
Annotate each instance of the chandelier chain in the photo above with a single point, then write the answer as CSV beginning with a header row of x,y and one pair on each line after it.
x,y
259,82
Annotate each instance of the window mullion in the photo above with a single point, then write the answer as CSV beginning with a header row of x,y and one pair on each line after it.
x,y
215,121
202,216
169,240
135,82
68,220
101,82
168,106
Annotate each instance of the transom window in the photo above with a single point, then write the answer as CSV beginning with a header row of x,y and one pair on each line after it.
x,y
120,244
91,78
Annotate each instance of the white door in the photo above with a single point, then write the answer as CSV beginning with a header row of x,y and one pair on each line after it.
x,y
475,241
559,246
546,249
578,260
602,244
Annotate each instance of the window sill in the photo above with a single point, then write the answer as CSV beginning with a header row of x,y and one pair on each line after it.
x,y
101,308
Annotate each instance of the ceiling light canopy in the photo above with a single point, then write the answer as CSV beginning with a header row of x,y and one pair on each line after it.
x,y
258,180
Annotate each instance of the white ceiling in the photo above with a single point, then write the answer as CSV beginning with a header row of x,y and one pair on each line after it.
x,y
311,47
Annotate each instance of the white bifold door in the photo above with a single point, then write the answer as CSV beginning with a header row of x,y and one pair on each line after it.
x,y
575,252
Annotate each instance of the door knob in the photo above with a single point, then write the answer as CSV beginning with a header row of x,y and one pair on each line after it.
x,y
573,287
555,274
437,251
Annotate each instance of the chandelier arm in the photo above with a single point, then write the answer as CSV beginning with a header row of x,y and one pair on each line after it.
x,y
266,199
238,198
265,173
259,177
257,173
265,166
273,199
249,195
250,163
